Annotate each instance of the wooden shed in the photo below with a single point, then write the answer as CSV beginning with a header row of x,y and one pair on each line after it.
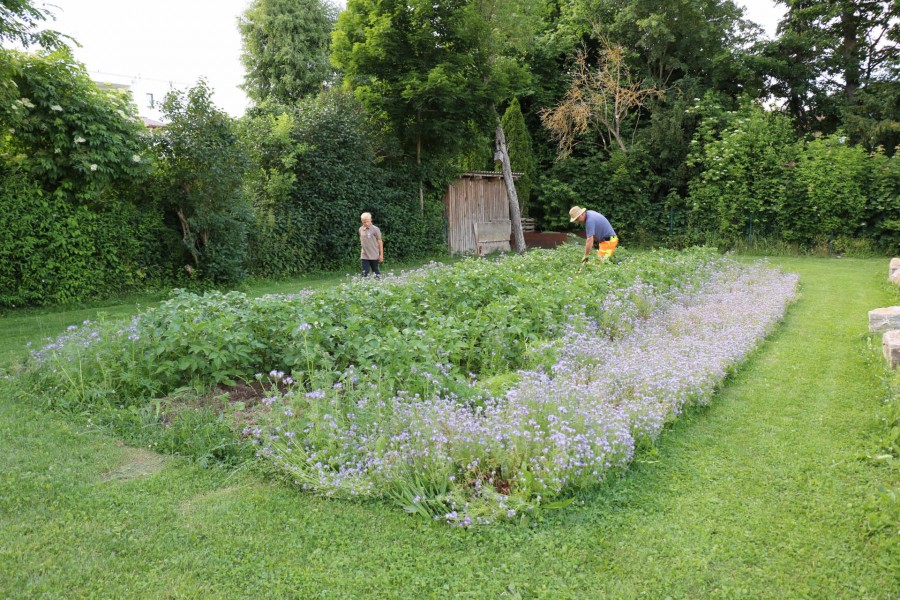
x,y
476,208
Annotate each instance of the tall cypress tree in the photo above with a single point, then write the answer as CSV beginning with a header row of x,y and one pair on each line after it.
x,y
521,155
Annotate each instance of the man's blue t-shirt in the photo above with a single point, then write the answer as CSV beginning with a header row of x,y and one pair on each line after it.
x,y
598,226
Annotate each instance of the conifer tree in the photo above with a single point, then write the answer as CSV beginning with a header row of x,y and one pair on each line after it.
x,y
521,155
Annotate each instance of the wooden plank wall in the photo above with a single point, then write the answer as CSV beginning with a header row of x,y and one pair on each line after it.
x,y
469,200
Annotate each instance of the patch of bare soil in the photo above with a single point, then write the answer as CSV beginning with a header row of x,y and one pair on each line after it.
x,y
136,462
242,402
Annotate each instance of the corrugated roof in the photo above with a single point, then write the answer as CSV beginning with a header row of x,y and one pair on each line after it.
x,y
488,174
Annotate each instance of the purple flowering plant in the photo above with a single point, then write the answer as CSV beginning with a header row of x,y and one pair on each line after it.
x,y
610,386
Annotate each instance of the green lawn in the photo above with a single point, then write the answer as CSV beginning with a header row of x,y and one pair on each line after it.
x,y
762,495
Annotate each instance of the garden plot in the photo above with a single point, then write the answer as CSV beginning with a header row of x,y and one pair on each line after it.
x,y
470,393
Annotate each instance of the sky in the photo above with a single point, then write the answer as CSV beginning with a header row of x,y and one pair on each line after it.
x,y
157,46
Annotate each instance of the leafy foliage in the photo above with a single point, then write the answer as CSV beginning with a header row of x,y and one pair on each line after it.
x,y
620,187
65,132
286,48
19,22
391,56
684,50
755,180
883,205
398,410
831,177
849,54
744,178
73,159
201,166
55,251
430,71
476,316
521,156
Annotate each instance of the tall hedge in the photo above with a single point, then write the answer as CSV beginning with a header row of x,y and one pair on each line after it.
x,y
755,178
72,162
745,168
318,167
56,251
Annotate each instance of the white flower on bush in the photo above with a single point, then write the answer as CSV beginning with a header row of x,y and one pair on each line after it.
x,y
136,158
93,167
79,140
26,103
57,108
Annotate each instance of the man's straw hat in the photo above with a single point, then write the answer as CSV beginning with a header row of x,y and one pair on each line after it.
x,y
575,212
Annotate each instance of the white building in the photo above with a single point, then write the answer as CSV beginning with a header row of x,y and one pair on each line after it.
x,y
148,94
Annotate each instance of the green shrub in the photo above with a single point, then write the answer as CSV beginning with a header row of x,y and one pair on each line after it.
x,y
831,191
199,182
57,251
744,175
65,132
882,213
621,187
71,171
436,325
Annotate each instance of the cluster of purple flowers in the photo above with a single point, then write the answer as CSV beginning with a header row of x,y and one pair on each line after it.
x,y
564,425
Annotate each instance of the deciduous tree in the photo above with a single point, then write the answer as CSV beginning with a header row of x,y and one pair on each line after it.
x,y
601,98
201,167
836,64
20,21
286,45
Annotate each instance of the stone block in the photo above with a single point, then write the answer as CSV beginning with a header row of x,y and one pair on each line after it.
x,y
895,277
894,267
890,343
884,319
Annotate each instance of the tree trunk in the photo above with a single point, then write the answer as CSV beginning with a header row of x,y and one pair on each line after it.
x,y
849,28
515,215
419,167
186,236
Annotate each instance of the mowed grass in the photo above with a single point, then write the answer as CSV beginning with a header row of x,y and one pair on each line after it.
x,y
761,495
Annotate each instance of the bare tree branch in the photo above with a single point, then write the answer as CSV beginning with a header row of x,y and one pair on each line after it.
x,y
601,98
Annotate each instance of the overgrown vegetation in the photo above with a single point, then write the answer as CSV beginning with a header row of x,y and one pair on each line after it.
x,y
201,164
73,164
316,169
